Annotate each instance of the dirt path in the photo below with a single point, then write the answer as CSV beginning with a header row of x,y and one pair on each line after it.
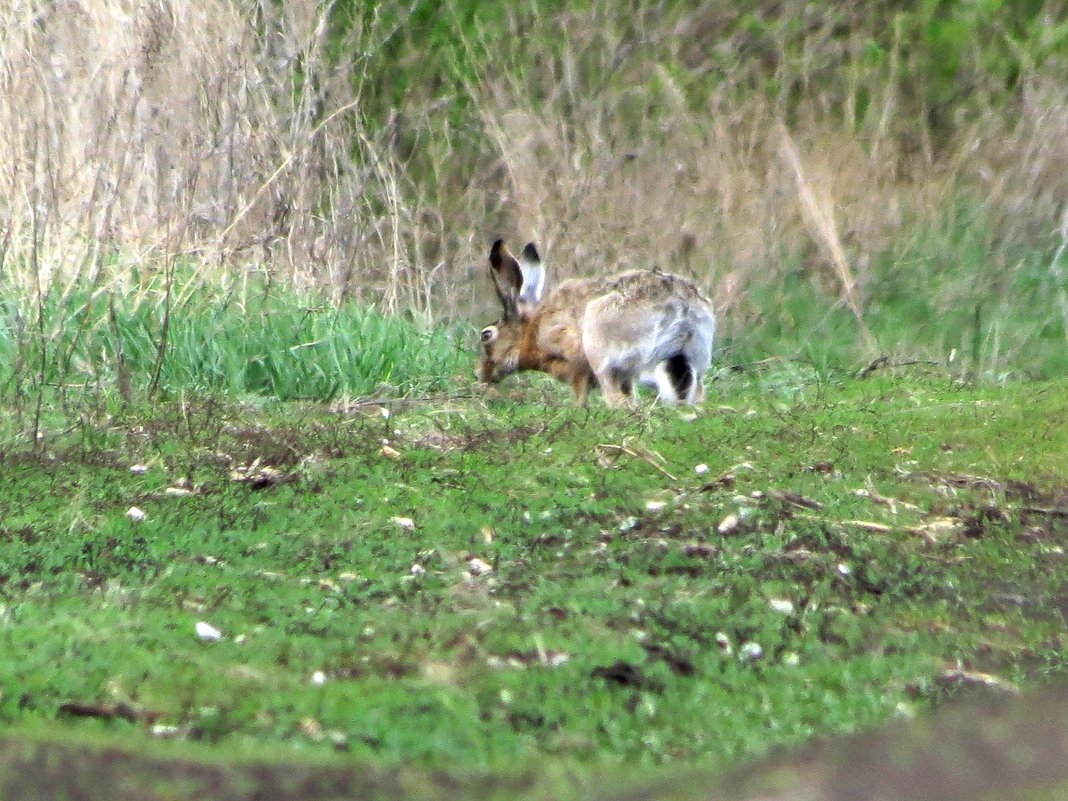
x,y
996,748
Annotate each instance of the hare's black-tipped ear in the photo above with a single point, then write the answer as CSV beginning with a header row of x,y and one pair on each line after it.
x,y
530,253
507,278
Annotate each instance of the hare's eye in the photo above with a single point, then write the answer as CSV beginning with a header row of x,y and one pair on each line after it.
x,y
488,335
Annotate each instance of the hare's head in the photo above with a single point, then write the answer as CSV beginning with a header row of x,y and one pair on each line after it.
x,y
520,284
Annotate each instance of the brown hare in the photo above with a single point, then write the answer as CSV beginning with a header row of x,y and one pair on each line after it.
x,y
638,326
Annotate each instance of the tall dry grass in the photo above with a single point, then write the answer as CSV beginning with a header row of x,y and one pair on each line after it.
x,y
237,138
135,134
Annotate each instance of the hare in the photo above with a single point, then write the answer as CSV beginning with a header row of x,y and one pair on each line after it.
x,y
638,326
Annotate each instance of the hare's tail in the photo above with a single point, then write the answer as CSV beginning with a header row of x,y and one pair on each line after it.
x,y
681,375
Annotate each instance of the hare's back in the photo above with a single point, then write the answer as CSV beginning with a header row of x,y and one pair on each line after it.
x,y
650,287
643,317
639,300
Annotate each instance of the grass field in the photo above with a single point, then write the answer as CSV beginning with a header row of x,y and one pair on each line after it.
x,y
501,582
260,533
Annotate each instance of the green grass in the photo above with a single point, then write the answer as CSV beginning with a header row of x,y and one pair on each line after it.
x,y
595,639
237,340
940,304
942,298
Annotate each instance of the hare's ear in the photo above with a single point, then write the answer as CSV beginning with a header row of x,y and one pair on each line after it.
x,y
507,278
533,276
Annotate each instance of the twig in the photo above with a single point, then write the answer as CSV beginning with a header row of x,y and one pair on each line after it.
x,y
868,525
795,499
884,363
1043,510
819,219
355,405
631,452
80,709
874,496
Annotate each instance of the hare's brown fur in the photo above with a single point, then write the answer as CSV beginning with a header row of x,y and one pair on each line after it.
x,y
607,331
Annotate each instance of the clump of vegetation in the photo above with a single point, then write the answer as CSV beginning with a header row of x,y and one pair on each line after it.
x,y
291,203
231,338
500,586
899,164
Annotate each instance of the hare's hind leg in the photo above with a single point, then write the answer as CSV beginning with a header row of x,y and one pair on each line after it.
x,y
617,387
697,357
660,377
614,375
698,390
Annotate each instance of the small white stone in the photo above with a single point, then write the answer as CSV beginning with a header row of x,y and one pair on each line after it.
x,y
724,642
318,678
844,569
384,412
207,632
556,658
783,606
655,506
139,469
163,731
417,570
479,567
405,523
904,711
750,651
729,524
701,469
135,514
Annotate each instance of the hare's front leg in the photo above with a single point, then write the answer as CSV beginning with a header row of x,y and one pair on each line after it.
x,y
577,373
580,383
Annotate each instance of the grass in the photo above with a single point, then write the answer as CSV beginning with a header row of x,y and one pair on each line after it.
x,y
260,340
607,621
389,143
234,338
499,582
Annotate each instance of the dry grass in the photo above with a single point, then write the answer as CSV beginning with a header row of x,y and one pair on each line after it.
x,y
238,137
